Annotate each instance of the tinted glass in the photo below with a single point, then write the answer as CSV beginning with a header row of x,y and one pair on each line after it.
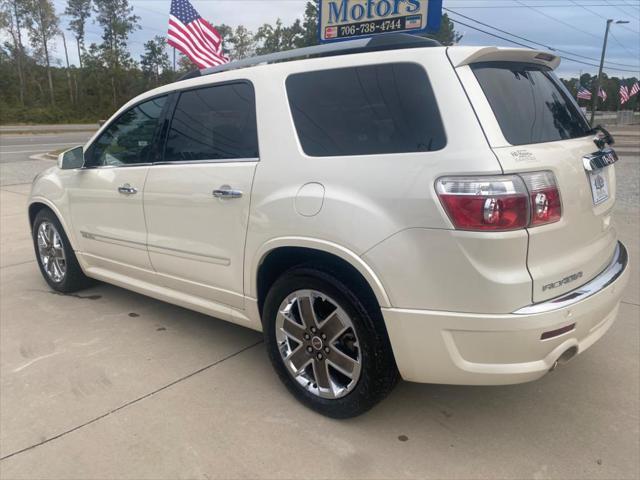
x,y
214,123
366,110
530,103
129,139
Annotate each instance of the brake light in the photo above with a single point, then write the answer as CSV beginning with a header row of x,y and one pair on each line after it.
x,y
499,203
544,197
485,203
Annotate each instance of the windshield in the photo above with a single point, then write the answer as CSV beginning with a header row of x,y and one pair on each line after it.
x,y
530,103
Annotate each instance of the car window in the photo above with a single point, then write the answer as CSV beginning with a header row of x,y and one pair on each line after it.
x,y
367,110
129,139
530,103
214,123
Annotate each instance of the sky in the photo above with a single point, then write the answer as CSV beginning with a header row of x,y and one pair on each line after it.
x,y
576,26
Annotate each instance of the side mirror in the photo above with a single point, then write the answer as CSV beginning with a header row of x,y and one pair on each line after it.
x,y
73,158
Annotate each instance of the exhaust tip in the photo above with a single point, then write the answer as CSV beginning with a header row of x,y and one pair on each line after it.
x,y
567,355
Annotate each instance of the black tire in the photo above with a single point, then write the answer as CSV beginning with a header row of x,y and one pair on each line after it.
x,y
378,371
74,279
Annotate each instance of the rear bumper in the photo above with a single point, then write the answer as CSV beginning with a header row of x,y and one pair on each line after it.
x,y
484,349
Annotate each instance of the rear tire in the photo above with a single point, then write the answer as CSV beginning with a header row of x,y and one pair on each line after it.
x,y
56,259
340,363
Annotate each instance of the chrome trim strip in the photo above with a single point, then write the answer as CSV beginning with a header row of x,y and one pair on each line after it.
x,y
196,162
610,274
124,165
114,241
201,257
156,249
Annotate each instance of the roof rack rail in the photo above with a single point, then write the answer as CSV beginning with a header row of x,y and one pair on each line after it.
x,y
390,41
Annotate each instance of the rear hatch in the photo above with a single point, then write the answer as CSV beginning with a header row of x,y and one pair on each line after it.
x,y
533,124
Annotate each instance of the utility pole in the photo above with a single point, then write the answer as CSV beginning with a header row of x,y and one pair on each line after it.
x,y
599,79
66,56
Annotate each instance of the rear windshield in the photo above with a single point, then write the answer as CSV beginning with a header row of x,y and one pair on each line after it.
x,y
530,103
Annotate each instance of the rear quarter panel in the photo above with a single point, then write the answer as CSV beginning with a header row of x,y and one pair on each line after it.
x,y
367,199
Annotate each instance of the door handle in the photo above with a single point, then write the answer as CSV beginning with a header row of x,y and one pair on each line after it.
x,y
226,191
127,189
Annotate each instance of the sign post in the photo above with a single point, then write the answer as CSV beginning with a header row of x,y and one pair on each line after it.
x,y
347,19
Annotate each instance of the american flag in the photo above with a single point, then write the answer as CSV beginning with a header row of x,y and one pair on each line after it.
x,y
624,94
635,89
602,94
584,93
194,36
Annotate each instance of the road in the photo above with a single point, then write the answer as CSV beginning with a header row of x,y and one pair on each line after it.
x,y
111,384
17,167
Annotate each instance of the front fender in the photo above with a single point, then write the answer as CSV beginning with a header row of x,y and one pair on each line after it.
x,y
48,190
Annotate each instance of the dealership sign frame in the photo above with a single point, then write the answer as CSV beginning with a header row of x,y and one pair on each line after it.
x,y
340,20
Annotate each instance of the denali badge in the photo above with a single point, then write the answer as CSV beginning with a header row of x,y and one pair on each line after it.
x,y
564,281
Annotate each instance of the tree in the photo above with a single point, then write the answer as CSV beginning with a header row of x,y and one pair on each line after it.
x,y
117,21
279,38
42,26
447,34
79,11
12,12
226,33
243,43
155,59
184,65
309,35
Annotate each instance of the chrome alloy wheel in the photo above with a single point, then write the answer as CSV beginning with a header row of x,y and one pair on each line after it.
x,y
318,344
51,252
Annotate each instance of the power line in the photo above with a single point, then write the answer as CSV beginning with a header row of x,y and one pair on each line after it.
x,y
619,7
573,27
601,17
527,46
527,6
621,45
554,49
633,6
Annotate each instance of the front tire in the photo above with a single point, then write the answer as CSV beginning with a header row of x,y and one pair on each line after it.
x,y
327,347
56,259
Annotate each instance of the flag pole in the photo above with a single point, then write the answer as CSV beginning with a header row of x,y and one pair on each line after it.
x,y
174,59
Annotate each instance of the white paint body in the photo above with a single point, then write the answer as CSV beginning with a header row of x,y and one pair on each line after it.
x,y
447,296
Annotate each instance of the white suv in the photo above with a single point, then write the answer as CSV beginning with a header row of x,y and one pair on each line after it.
x,y
381,208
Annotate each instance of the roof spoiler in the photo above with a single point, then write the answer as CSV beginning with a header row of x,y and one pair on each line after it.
x,y
461,56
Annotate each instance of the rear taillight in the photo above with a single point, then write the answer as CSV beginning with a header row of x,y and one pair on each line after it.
x,y
499,203
485,203
544,197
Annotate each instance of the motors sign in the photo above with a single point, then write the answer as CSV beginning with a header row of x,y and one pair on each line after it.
x,y
344,19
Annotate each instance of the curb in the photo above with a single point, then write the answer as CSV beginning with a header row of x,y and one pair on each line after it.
x,y
44,156
44,132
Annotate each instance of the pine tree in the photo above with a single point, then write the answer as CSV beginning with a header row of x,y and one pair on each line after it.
x,y
117,21
79,11
42,26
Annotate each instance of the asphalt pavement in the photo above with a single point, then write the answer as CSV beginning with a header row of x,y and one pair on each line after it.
x,y
17,150
111,384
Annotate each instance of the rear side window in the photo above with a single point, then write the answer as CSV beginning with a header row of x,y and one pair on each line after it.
x,y
530,103
368,110
213,123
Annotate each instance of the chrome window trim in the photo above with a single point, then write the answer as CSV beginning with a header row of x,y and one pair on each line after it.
x,y
221,160
614,270
124,165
